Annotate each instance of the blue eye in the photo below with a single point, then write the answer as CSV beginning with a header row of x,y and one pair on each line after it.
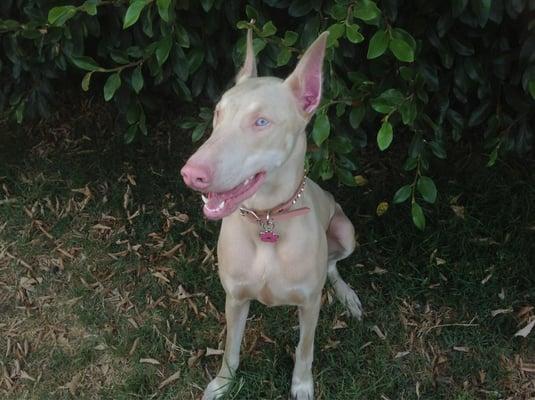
x,y
261,122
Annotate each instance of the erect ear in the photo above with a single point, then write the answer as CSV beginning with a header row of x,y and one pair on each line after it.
x,y
305,80
248,70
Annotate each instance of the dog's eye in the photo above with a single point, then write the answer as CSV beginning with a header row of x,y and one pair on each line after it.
x,y
262,122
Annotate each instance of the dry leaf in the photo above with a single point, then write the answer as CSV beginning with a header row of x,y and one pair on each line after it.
x,y
214,352
458,211
339,324
149,361
169,380
376,329
462,349
194,358
24,375
161,276
382,208
440,261
332,344
524,310
360,180
73,384
525,331
486,279
501,311
378,271
134,346
401,354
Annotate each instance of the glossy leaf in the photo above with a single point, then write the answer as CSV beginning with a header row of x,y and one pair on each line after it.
x,y
163,49
113,83
385,136
401,49
402,194
366,10
137,80
85,63
353,34
418,217
59,15
133,12
322,129
426,187
378,44
163,9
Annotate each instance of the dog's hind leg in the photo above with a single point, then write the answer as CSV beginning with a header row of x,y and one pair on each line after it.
x,y
341,241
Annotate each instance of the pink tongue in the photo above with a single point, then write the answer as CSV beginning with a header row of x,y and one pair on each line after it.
x,y
213,202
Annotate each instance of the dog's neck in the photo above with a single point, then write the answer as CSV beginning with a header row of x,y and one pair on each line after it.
x,y
281,183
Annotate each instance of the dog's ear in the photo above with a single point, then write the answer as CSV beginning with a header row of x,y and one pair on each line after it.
x,y
248,70
305,81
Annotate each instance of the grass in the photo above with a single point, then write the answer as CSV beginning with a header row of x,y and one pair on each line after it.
x,y
108,285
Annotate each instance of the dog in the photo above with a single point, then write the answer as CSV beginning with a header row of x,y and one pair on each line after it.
x,y
281,234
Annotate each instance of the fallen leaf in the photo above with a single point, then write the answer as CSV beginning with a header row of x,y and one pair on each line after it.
x,y
440,261
360,180
214,352
339,324
501,311
73,384
458,211
525,331
376,329
134,346
149,361
169,380
401,354
524,310
195,358
382,208
378,271
462,349
332,344
24,375
486,279
161,276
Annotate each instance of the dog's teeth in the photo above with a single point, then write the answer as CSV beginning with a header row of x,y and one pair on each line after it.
x,y
246,181
204,198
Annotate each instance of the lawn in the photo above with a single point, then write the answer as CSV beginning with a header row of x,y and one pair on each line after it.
x,y
109,289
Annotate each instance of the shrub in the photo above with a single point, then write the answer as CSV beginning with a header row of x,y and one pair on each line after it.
x,y
426,75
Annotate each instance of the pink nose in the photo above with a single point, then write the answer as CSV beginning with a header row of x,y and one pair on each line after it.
x,y
197,177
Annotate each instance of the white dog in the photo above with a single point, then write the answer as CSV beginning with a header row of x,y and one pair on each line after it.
x,y
281,234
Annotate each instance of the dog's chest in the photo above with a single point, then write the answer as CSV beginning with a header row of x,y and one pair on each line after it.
x,y
285,273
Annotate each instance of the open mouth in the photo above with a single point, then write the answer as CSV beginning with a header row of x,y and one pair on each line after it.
x,y
222,204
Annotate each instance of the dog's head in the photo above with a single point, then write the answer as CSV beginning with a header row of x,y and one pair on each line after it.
x,y
255,128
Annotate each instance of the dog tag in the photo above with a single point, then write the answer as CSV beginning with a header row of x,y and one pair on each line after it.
x,y
269,236
266,231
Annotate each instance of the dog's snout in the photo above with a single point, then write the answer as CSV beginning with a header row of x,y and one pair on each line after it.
x,y
197,177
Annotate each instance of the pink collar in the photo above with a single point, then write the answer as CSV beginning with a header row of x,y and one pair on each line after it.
x,y
281,212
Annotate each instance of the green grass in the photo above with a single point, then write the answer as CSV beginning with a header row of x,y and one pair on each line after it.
x,y
104,296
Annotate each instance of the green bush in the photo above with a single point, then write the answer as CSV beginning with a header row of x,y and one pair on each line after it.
x,y
425,76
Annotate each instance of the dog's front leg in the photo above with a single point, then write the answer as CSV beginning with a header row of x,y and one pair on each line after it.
x,y
302,382
236,312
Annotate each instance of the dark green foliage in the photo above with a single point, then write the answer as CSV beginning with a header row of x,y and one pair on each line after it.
x,y
422,75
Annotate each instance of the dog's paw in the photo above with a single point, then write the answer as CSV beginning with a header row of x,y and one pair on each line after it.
x,y
350,299
303,390
353,304
216,389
